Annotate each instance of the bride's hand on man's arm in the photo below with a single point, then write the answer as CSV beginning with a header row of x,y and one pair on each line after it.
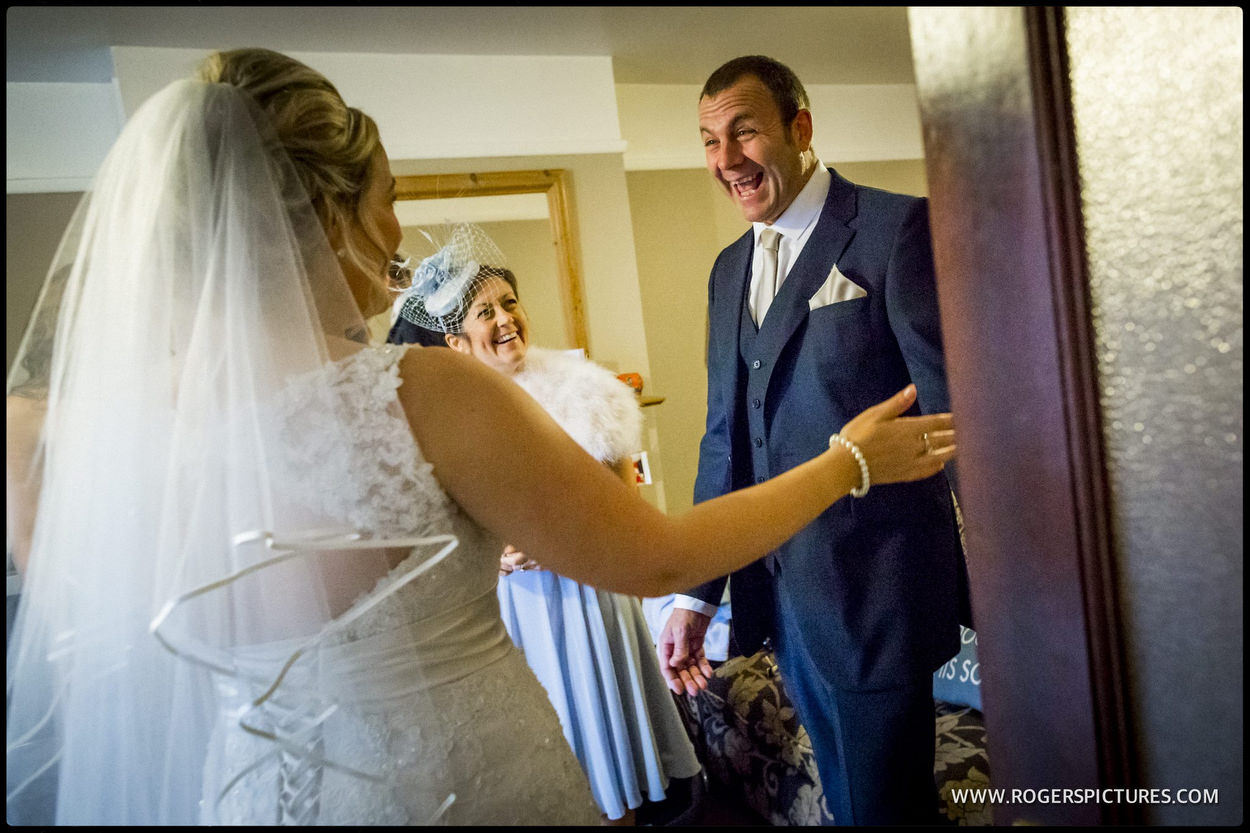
x,y
898,448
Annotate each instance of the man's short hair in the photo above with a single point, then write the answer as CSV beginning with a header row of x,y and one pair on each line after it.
x,y
780,80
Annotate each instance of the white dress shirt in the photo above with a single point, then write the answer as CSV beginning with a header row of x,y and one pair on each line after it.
x,y
795,225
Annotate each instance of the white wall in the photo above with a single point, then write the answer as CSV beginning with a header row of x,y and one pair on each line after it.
x,y
441,106
451,106
58,134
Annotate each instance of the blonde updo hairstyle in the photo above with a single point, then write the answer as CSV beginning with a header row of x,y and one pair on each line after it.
x,y
330,143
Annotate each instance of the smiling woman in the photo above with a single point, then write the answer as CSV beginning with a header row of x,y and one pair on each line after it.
x,y
529,214
495,328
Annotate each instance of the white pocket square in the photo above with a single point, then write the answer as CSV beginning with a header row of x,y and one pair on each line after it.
x,y
837,287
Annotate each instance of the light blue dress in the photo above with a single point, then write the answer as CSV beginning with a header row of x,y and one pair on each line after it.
x,y
592,649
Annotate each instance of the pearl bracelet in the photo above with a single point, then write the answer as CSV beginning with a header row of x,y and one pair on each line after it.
x,y
865,481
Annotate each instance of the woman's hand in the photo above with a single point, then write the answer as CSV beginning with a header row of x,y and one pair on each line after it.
x,y
900,448
513,560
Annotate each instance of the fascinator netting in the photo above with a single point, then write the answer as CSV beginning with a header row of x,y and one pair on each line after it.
x,y
170,547
444,284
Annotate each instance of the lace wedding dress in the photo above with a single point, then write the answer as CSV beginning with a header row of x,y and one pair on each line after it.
x,y
436,718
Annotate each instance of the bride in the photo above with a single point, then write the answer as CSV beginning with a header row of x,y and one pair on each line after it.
x,y
259,555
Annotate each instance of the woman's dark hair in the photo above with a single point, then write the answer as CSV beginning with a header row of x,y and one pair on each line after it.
x,y
497,272
404,331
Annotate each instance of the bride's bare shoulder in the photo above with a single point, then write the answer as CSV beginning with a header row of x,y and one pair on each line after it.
x,y
453,401
441,389
434,365
439,375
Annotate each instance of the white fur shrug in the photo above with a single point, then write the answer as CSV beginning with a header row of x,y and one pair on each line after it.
x,y
594,407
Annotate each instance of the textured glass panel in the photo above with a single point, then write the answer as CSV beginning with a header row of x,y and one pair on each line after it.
x,y
1157,95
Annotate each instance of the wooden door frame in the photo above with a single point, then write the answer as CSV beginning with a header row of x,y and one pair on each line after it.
x,y
1009,251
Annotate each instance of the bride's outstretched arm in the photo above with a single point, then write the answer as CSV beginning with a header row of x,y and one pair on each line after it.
x,y
512,468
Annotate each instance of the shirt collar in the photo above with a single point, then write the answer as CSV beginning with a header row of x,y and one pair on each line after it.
x,y
803,213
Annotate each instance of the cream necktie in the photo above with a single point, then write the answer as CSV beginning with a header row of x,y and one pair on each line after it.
x,y
766,283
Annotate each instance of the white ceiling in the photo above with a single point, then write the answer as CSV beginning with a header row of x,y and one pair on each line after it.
x,y
648,44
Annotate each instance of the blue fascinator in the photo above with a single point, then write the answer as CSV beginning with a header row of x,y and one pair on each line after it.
x,y
444,284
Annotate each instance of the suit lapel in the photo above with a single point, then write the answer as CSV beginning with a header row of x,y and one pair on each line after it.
x,y
828,241
727,313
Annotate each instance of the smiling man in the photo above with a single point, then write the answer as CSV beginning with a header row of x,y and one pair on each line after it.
x,y
825,306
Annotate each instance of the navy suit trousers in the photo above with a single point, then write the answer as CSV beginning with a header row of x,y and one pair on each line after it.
x,y
874,750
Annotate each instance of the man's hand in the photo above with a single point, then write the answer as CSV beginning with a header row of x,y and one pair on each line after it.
x,y
681,651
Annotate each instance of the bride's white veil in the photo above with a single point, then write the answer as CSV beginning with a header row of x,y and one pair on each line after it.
x,y
194,287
